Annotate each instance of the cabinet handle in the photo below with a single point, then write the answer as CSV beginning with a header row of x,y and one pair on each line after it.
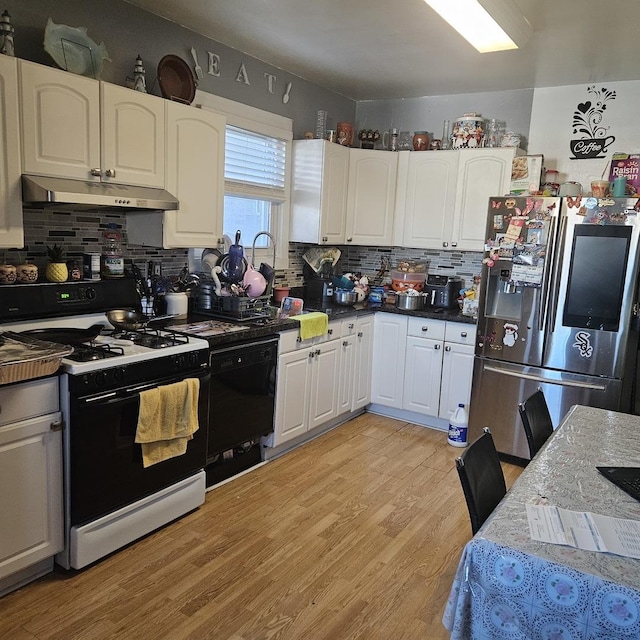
x,y
454,244
349,239
95,172
110,173
445,244
330,331
351,325
325,239
437,347
447,348
57,426
424,329
360,334
312,354
317,352
345,343
463,334
298,339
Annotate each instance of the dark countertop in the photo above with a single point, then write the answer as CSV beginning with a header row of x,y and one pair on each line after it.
x,y
261,328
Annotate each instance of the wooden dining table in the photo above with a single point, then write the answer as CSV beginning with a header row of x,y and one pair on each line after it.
x,y
510,586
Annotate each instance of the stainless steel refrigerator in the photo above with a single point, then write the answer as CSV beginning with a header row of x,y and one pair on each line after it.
x,y
558,311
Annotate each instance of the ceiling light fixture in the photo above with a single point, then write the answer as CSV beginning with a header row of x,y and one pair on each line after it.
x,y
488,25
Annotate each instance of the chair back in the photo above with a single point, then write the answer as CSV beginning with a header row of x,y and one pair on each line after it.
x,y
482,479
536,421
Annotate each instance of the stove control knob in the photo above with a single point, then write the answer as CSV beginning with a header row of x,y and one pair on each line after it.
x,y
90,293
118,375
179,362
100,378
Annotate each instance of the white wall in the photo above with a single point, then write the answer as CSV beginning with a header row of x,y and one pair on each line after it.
x,y
551,128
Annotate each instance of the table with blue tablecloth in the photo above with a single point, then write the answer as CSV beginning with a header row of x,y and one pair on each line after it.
x,y
510,586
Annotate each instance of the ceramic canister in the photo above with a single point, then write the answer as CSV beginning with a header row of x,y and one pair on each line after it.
x,y
7,274
467,132
27,272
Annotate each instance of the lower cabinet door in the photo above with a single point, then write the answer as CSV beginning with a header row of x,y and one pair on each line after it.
x,y
31,525
292,395
324,400
347,368
422,375
362,367
457,372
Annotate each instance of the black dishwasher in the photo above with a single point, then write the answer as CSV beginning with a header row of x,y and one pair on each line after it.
x,y
241,407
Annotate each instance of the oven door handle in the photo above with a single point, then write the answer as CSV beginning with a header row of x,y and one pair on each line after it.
x,y
115,396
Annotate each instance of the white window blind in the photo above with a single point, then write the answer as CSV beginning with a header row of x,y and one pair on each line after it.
x,y
255,164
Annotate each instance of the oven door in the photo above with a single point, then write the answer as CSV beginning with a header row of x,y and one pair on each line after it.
x,y
105,464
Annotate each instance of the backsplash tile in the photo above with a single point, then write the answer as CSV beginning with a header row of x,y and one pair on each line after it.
x,y
81,232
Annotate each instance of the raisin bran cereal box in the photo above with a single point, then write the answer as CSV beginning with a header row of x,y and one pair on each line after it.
x,y
627,165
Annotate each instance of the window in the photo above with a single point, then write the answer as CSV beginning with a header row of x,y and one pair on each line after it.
x,y
254,183
257,176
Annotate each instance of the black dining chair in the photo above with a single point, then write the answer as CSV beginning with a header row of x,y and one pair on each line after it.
x,y
536,421
481,478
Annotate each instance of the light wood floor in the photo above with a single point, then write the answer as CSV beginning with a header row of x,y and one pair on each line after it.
x,y
355,536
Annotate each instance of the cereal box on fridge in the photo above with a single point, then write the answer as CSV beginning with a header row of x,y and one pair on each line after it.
x,y
627,165
526,173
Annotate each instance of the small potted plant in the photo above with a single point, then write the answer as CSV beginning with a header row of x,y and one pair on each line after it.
x,y
56,269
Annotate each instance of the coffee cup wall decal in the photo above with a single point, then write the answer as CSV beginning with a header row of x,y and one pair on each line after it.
x,y
587,122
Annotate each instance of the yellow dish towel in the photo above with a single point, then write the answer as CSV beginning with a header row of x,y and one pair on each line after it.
x,y
312,324
167,420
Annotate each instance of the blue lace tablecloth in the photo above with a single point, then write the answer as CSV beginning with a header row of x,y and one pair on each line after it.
x,y
509,586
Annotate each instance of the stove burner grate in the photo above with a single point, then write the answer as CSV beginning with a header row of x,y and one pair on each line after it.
x,y
150,338
93,351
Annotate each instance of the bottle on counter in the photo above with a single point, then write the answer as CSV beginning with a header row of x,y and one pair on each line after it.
x,y
112,260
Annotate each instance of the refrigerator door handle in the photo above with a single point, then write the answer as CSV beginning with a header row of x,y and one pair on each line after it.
x,y
545,318
535,378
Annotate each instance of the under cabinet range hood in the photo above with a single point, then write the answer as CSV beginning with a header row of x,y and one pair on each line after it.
x,y
79,194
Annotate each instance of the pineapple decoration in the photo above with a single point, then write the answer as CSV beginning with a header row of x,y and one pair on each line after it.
x,y
56,269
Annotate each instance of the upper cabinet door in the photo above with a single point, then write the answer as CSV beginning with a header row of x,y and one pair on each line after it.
x,y
195,175
60,123
426,198
319,192
482,173
371,197
11,231
133,137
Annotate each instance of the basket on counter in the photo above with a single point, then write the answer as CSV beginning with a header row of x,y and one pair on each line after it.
x,y
24,357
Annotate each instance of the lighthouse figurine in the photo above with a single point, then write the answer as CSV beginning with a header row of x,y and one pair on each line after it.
x,y
139,82
6,35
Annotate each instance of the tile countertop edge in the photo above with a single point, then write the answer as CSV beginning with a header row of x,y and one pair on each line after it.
x,y
335,312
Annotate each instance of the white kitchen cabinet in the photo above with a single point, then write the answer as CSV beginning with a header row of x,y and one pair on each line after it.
x,y
371,197
77,127
363,361
423,366
387,376
457,367
482,173
31,527
195,175
133,137
11,229
442,197
319,192
426,196
306,387
354,390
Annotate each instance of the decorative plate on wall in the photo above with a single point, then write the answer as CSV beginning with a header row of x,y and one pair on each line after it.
x,y
176,80
73,50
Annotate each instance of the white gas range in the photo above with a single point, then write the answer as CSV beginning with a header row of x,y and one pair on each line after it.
x,y
111,499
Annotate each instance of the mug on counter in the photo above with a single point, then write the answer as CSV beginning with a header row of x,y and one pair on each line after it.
x,y
8,274
26,272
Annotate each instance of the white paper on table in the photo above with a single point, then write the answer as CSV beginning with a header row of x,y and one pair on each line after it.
x,y
584,530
